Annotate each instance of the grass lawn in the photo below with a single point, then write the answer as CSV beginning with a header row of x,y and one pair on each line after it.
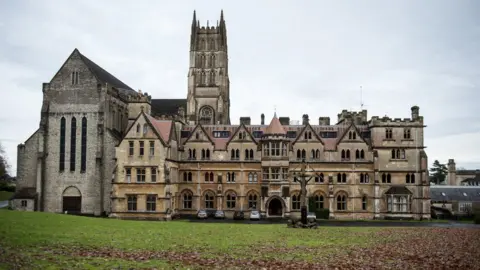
x,y
5,195
55,241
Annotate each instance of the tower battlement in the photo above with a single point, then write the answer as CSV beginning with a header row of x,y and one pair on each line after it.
x,y
348,117
385,120
140,98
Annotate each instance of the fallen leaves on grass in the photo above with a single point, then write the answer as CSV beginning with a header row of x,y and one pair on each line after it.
x,y
392,248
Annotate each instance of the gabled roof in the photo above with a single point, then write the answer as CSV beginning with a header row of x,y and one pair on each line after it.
x,y
163,127
101,74
356,130
313,131
151,123
275,127
199,126
104,75
236,131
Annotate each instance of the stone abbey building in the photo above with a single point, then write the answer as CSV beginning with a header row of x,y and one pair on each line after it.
x,y
104,148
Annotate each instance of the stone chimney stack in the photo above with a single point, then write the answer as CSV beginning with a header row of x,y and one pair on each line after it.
x,y
415,112
305,119
262,119
285,121
245,120
324,121
452,173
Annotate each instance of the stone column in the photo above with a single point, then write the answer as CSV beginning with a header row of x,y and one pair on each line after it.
x,y
376,200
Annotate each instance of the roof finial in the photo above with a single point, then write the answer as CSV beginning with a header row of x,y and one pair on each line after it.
x,y
221,15
275,111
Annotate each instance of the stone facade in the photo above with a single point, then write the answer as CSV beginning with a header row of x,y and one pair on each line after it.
x,y
184,155
83,116
461,177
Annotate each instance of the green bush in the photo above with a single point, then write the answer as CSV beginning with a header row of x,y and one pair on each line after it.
x,y
7,187
321,213
476,217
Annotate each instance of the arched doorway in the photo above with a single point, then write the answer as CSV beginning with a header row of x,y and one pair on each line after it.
x,y
275,208
72,200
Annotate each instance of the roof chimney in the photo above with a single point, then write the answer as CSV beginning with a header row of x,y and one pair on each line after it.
x,y
262,119
305,119
245,120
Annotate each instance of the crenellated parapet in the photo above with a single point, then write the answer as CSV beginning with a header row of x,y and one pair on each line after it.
x,y
140,98
137,102
414,120
348,117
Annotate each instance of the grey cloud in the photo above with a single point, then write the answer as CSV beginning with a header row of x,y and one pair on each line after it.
x,y
315,54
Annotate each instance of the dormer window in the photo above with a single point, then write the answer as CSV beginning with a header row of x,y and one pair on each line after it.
x,y
145,129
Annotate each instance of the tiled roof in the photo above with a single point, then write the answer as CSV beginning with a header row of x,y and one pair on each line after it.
x,y
105,76
167,106
275,127
220,143
163,127
455,193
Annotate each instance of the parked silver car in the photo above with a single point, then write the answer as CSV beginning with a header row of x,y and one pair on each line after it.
x,y
220,214
254,215
202,214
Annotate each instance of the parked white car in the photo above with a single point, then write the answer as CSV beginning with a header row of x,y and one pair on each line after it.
x,y
312,217
254,215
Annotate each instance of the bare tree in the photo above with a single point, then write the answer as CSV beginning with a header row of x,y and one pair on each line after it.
x,y
303,177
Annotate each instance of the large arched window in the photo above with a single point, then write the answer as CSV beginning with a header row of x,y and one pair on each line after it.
x,y
73,143
296,202
187,200
62,144
206,115
253,200
209,202
83,159
231,200
364,202
319,201
341,202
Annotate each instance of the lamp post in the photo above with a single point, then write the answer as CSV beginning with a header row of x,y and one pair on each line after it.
x,y
303,178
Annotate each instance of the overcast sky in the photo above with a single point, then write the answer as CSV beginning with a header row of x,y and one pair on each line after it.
x,y
300,56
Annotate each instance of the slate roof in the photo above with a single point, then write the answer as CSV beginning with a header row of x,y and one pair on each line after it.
x,y
25,193
330,144
398,190
105,76
167,106
455,193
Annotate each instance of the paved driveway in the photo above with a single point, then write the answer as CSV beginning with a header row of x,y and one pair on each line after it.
x,y
3,204
337,223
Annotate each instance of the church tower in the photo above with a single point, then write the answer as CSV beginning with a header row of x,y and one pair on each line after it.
x,y
208,100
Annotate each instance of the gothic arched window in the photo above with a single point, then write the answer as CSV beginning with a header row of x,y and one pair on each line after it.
x,y
212,78
212,60
206,115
